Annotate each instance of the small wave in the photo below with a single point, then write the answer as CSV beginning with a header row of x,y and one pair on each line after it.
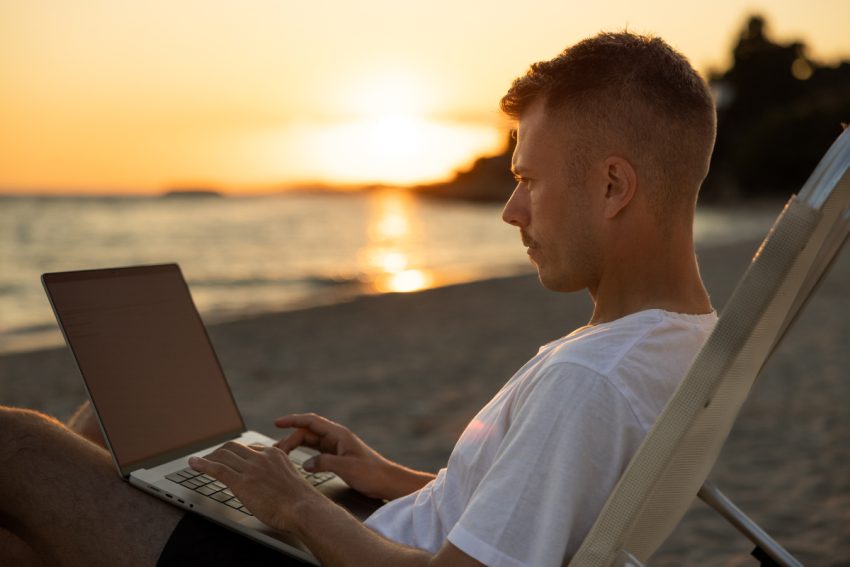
x,y
9,289
321,281
29,329
311,281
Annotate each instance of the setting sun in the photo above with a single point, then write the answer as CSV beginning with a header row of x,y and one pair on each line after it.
x,y
389,136
393,149
248,97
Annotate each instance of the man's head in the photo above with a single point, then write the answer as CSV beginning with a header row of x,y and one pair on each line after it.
x,y
633,95
618,112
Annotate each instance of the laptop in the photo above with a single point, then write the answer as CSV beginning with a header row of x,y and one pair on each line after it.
x,y
160,394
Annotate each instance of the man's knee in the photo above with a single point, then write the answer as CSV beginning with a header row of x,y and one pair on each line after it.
x,y
22,429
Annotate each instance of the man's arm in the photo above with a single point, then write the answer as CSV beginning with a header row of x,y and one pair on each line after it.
x,y
265,481
346,455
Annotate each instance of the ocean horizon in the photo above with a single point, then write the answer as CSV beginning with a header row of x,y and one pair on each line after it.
x,y
244,256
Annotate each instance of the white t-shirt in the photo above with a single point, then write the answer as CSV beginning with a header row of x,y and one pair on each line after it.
x,y
532,470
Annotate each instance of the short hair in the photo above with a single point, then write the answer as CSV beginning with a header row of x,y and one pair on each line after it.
x,y
636,95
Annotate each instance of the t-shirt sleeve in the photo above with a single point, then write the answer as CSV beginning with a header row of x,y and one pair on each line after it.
x,y
571,436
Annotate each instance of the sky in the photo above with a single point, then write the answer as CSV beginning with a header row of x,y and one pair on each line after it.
x,y
119,96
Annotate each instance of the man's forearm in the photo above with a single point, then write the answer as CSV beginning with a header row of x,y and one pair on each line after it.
x,y
343,540
402,481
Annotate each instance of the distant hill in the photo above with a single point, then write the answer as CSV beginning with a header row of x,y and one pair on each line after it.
x,y
489,179
191,193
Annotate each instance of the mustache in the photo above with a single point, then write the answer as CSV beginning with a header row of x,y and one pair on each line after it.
x,y
527,241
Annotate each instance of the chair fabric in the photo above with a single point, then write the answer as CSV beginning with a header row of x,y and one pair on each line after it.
x,y
678,453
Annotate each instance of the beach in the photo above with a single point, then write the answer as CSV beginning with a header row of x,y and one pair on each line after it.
x,y
408,371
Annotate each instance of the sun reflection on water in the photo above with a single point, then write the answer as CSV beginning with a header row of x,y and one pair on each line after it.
x,y
391,250
406,281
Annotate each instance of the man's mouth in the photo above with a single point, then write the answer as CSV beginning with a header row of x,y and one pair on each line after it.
x,y
527,241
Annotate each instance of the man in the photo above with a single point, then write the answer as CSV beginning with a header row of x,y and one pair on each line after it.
x,y
614,139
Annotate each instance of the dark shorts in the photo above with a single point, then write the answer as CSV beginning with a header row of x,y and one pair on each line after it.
x,y
198,541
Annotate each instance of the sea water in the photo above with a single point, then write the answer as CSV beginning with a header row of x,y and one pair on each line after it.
x,y
247,255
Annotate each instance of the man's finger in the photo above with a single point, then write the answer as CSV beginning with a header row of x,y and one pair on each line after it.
x,y
296,439
315,423
325,462
218,471
237,449
229,458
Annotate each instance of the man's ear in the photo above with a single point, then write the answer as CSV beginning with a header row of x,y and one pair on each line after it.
x,y
621,182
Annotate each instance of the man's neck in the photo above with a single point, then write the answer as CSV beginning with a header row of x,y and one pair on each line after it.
x,y
668,280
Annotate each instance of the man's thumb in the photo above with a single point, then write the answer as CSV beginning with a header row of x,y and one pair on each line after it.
x,y
326,462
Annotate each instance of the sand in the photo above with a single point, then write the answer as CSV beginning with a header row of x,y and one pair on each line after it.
x,y
408,371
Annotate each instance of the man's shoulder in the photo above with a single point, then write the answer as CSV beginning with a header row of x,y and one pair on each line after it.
x,y
653,333
639,359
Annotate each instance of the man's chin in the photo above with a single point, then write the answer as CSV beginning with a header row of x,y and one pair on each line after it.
x,y
554,283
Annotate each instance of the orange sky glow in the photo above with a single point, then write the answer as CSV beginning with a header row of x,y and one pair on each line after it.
x,y
114,96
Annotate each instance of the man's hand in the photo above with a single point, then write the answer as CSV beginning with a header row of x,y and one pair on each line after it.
x,y
346,455
269,486
262,478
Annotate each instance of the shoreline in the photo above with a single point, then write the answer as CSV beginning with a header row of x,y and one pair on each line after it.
x,y
386,262
408,371
47,336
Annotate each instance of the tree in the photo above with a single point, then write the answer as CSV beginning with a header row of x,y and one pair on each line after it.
x,y
778,112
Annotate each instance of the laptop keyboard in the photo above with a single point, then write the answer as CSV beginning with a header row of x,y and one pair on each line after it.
x,y
210,487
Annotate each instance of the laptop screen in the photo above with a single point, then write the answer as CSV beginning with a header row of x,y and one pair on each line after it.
x,y
145,357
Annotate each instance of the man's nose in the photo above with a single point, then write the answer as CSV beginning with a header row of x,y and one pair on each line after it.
x,y
516,209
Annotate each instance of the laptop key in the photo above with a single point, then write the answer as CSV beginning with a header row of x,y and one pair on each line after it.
x,y
221,496
234,503
318,478
175,477
206,490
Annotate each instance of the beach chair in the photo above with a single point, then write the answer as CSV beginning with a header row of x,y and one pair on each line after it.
x,y
674,460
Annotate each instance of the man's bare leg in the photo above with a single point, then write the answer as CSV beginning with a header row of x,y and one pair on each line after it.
x,y
84,423
60,495
15,551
